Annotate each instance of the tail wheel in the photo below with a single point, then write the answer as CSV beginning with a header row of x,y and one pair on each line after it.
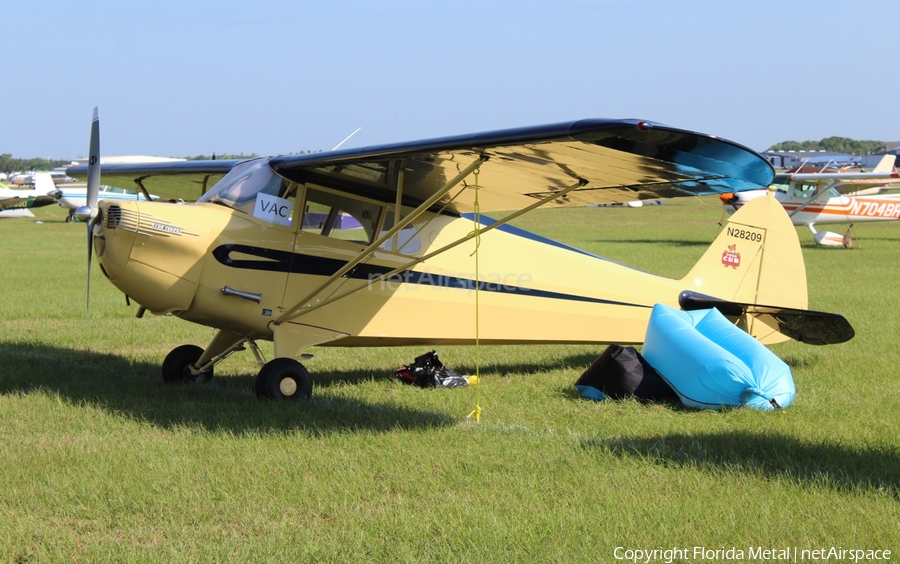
x,y
283,379
175,367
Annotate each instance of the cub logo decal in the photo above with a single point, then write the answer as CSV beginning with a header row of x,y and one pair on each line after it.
x,y
731,257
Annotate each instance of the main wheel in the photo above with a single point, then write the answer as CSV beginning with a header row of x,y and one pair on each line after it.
x,y
283,379
175,366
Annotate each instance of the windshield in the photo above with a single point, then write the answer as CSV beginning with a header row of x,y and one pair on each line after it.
x,y
238,189
781,182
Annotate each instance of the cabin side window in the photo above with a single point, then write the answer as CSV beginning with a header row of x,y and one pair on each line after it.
x,y
340,217
804,190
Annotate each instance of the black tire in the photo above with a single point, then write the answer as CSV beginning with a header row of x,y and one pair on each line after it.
x,y
175,367
283,379
70,218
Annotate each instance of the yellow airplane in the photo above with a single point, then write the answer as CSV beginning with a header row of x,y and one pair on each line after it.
x,y
365,247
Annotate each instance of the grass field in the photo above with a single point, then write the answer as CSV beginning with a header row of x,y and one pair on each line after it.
x,y
101,462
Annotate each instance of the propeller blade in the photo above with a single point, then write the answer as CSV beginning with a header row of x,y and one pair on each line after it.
x,y
91,215
93,175
87,306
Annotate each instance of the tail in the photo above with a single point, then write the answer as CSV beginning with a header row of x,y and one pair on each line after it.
x,y
756,259
886,164
43,183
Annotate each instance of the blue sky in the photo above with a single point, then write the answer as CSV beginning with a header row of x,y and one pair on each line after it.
x,y
196,77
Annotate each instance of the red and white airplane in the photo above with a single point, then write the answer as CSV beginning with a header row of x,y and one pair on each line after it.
x,y
812,198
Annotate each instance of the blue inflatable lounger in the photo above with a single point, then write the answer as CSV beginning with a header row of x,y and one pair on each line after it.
x,y
712,364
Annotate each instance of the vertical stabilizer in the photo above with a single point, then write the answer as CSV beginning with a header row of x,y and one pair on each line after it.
x,y
43,183
886,164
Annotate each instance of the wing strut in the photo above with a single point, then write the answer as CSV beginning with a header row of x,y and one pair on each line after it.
x,y
140,184
365,253
474,233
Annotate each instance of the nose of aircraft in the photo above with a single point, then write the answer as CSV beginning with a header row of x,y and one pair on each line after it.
x,y
145,251
114,237
728,198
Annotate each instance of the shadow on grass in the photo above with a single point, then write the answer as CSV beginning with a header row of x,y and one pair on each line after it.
x,y
136,390
520,369
835,465
796,361
229,404
579,361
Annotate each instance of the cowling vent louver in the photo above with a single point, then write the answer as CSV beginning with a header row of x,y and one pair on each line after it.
x,y
113,217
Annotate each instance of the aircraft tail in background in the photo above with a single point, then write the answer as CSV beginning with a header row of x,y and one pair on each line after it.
x,y
886,164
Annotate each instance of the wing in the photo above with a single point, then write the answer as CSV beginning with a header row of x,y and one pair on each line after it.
x,y
177,180
886,184
611,161
848,182
9,199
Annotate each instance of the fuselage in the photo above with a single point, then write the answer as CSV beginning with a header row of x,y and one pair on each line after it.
x,y
179,258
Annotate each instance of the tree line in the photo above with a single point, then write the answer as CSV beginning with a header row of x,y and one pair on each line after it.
x,y
241,157
9,164
224,157
833,144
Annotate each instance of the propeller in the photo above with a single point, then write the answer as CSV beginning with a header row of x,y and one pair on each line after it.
x,y
90,213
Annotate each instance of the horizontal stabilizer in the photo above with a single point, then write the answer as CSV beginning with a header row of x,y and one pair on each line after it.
x,y
806,326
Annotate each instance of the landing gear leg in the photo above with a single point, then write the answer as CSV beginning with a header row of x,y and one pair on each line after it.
x,y
190,363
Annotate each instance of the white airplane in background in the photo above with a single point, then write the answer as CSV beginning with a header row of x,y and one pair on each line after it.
x,y
821,197
76,197
14,203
